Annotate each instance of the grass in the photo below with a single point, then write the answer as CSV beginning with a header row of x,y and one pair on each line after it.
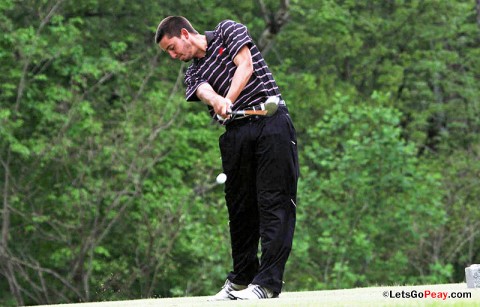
x,y
373,296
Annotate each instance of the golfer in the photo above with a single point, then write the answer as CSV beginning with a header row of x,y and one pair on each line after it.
x,y
259,153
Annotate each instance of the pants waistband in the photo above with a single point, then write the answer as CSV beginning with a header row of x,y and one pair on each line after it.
x,y
238,121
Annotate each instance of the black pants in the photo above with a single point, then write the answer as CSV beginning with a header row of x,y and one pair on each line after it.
x,y
259,157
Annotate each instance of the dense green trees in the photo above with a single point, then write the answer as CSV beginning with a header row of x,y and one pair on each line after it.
x,y
107,173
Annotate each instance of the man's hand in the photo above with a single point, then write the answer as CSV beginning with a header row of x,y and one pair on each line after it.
x,y
220,105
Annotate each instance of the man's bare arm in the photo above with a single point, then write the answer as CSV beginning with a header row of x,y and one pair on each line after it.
x,y
243,61
208,95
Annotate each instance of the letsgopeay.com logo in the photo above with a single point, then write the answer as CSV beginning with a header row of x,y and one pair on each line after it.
x,y
428,294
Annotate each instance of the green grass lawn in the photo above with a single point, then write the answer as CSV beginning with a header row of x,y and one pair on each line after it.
x,y
434,295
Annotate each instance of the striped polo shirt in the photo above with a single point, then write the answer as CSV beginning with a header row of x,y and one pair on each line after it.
x,y
217,67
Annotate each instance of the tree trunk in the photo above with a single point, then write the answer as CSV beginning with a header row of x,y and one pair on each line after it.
x,y
274,21
6,267
478,13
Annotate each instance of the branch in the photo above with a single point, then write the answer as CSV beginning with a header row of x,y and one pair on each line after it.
x,y
6,207
107,76
469,233
49,16
9,273
153,65
177,82
23,78
274,21
263,9
478,14
39,269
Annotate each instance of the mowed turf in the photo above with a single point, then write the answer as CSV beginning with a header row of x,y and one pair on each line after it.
x,y
433,295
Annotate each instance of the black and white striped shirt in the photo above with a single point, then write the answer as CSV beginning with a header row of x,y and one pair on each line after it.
x,y
217,67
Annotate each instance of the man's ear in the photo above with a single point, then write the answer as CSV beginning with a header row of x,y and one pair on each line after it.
x,y
184,32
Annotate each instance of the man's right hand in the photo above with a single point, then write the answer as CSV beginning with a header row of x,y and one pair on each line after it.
x,y
222,106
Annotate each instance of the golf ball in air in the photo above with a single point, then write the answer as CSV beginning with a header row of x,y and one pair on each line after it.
x,y
221,178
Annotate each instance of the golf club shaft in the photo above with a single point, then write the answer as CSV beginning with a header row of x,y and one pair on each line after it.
x,y
249,112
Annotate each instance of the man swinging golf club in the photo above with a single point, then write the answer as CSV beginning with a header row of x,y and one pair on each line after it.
x,y
259,149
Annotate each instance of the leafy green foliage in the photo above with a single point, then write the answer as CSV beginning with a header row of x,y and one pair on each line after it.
x,y
107,174
366,201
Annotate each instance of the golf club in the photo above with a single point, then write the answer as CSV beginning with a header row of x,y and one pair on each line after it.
x,y
268,108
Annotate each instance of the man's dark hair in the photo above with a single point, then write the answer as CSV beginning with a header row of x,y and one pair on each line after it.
x,y
172,27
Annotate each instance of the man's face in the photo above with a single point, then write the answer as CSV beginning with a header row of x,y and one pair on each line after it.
x,y
177,47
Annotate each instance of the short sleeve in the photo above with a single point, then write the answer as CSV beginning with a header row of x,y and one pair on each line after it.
x,y
192,82
235,36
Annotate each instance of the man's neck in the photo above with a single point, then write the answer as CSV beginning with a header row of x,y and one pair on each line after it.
x,y
200,43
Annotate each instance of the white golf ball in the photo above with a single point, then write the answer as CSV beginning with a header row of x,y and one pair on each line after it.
x,y
221,178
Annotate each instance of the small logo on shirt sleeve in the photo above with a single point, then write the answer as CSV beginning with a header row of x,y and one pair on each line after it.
x,y
221,50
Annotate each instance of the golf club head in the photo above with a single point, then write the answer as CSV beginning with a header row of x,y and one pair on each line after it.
x,y
271,105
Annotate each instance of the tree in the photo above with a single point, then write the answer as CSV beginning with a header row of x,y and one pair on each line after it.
x,y
367,202
107,173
